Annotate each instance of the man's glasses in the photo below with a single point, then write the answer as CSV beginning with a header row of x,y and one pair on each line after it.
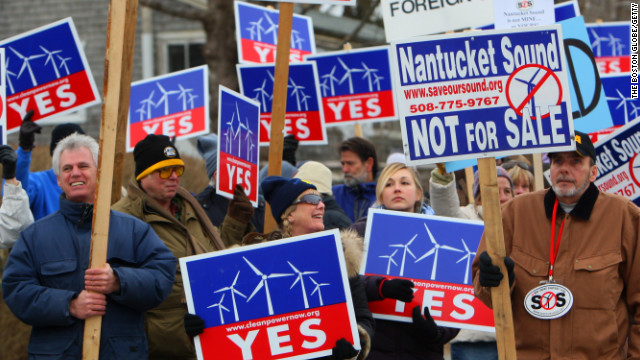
x,y
521,164
165,172
312,199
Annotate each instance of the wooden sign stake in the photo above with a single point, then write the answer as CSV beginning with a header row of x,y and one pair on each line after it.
x,y
279,107
117,85
538,180
500,296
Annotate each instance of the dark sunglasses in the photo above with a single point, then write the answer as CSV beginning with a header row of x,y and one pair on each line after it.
x,y
522,165
165,172
312,199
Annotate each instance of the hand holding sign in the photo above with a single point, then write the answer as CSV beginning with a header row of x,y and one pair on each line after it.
x,y
424,327
400,289
28,131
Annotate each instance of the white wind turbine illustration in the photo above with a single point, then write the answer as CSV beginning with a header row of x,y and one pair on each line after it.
x,y
623,103
165,98
183,95
257,29
148,102
332,79
376,80
390,260
300,278
597,43
296,39
530,86
434,251
9,75
26,64
238,131
634,111
233,291
347,74
263,94
248,139
50,58
191,98
220,308
63,63
616,45
324,87
468,256
368,74
404,252
296,91
273,29
141,111
305,97
264,283
317,288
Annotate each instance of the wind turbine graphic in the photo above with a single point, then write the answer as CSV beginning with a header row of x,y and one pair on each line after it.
x,y
229,133
390,260
347,74
50,58
26,64
63,62
324,87
183,94
142,112
264,284
296,39
9,75
191,98
304,100
296,91
148,102
376,80
634,112
220,308
434,251
317,288
623,102
248,139
530,86
165,98
273,29
332,79
615,44
257,29
597,43
300,278
405,251
233,291
263,94
238,131
469,254
368,72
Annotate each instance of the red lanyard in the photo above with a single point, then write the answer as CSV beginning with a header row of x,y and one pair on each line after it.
x,y
553,251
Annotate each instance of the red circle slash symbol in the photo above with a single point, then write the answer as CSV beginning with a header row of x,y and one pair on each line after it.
x,y
536,87
548,300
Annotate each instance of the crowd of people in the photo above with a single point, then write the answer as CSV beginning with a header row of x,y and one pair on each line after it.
x,y
590,262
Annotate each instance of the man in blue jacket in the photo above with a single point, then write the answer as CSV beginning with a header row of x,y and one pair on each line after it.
x,y
47,283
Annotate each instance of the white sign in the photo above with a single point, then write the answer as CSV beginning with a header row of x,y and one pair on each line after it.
x,y
523,13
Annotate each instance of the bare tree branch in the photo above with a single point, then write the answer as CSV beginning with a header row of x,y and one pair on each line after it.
x,y
183,11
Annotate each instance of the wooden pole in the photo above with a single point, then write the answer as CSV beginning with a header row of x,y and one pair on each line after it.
x,y
500,296
118,61
468,177
279,107
538,179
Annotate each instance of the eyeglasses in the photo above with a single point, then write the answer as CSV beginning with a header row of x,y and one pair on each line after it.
x,y
312,199
166,172
521,164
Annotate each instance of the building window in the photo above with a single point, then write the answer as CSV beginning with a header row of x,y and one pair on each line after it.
x,y
184,56
179,50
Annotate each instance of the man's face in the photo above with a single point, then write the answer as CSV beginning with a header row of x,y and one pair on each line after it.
x,y
571,175
162,190
355,170
77,176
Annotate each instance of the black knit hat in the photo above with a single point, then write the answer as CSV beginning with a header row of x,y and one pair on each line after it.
x,y
280,192
62,131
155,152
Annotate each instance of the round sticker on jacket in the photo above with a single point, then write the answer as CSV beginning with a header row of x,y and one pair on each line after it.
x,y
548,301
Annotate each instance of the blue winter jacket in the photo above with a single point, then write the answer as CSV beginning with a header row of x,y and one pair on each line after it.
x,y
355,200
42,186
45,271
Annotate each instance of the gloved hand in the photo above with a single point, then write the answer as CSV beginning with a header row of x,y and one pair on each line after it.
x,y
343,350
399,289
289,148
439,178
240,207
490,274
193,325
425,329
8,158
28,130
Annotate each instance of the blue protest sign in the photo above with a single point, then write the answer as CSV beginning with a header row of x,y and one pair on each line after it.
x,y
494,93
176,105
3,100
356,86
285,299
304,116
238,151
257,34
611,44
436,254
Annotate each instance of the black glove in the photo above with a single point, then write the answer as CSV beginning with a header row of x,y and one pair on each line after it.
x,y
490,274
289,148
424,328
400,289
28,130
240,207
8,158
193,325
343,350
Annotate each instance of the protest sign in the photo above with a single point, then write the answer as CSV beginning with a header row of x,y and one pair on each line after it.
x,y
618,162
47,71
175,104
611,45
320,2
622,105
3,99
286,299
304,114
562,11
494,93
356,86
257,34
421,248
519,14
238,152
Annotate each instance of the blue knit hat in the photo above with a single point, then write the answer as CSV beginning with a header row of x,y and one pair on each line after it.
x,y
280,192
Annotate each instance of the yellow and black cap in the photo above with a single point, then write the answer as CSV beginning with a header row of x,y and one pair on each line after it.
x,y
155,152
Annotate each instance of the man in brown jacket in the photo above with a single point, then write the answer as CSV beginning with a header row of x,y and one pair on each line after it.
x,y
176,216
573,265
